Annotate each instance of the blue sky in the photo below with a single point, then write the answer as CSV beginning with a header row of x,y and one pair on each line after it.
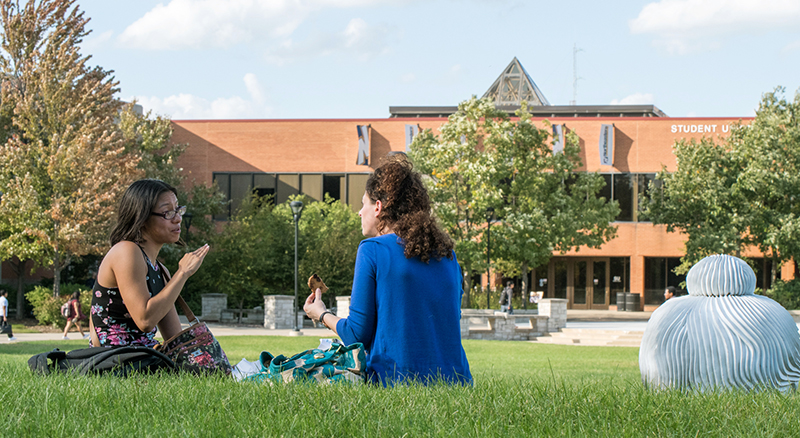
x,y
255,59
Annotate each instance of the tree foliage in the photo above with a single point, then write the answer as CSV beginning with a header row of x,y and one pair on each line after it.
x,y
482,160
62,161
253,254
330,232
736,193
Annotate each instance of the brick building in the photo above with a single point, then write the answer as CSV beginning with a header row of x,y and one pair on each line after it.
x,y
316,156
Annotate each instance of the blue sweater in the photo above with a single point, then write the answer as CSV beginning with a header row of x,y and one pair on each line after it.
x,y
407,314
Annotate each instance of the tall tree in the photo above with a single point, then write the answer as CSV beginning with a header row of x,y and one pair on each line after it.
x,y
482,160
461,178
62,161
738,192
546,205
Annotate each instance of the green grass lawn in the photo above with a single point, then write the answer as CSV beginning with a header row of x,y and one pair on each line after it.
x,y
521,389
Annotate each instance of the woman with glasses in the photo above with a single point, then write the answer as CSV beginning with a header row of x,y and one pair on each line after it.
x,y
131,298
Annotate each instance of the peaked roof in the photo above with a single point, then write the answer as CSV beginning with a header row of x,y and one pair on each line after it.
x,y
515,85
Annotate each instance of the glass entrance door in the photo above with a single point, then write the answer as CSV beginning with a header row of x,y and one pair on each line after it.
x,y
584,282
600,285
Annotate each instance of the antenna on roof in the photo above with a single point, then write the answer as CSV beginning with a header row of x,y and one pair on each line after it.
x,y
575,77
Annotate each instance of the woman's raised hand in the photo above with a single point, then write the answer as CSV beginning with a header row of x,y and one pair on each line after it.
x,y
314,305
191,261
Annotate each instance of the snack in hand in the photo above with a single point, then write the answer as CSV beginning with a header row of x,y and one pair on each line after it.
x,y
314,282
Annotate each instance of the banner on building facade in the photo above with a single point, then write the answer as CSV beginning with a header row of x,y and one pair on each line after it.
x,y
558,139
363,145
606,145
411,132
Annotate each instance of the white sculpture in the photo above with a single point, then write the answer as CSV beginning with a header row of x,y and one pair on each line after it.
x,y
721,335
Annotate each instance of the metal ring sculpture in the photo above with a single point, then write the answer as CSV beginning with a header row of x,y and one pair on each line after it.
x,y
721,335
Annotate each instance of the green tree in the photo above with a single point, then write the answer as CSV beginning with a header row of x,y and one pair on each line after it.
x,y
482,160
252,256
546,206
461,178
739,192
330,232
62,161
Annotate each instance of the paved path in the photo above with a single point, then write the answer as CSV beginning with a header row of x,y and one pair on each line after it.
x,y
576,319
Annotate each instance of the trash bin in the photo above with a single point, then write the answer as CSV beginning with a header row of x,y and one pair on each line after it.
x,y
621,301
631,302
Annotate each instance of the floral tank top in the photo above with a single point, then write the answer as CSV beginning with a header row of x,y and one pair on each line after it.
x,y
112,322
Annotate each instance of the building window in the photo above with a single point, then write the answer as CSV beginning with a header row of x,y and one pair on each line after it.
x,y
763,270
658,274
279,187
620,276
619,187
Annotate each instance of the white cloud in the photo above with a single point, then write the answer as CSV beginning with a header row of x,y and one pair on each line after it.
x,y
408,77
93,42
212,23
635,99
188,106
791,47
254,88
682,26
358,38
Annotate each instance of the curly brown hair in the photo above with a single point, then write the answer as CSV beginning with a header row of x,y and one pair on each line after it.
x,y
406,209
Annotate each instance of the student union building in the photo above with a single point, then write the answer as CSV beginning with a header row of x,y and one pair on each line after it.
x,y
627,144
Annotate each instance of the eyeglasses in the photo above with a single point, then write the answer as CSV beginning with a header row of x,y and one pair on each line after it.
x,y
169,215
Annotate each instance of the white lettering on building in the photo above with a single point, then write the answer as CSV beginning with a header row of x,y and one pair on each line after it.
x,y
697,129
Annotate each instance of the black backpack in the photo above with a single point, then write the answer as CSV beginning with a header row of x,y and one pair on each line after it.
x,y
119,361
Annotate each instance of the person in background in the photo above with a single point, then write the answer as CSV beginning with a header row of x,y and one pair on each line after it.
x,y
4,314
75,315
131,299
406,301
505,298
670,292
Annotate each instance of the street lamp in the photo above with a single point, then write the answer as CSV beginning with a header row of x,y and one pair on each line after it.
x,y
489,216
297,210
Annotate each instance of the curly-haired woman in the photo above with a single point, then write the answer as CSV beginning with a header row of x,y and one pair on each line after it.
x,y
406,302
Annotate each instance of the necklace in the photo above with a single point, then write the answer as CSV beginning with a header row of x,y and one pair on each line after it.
x,y
155,267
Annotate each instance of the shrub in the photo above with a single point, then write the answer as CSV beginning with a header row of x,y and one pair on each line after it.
x,y
47,308
786,293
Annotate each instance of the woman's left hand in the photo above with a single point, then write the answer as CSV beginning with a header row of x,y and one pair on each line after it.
x,y
314,307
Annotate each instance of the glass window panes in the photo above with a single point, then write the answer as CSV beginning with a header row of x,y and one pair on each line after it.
x,y
312,186
333,186
620,276
224,183
288,185
605,192
264,186
356,184
623,194
658,274
241,185
560,279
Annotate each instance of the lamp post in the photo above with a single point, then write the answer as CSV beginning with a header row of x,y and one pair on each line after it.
x,y
489,216
297,210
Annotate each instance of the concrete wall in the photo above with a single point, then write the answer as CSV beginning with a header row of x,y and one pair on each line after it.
x,y
278,312
213,305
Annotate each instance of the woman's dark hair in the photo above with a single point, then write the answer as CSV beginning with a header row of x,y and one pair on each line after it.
x,y
76,295
137,203
406,209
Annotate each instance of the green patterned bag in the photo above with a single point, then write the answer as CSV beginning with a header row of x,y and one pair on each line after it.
x,y
338,363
